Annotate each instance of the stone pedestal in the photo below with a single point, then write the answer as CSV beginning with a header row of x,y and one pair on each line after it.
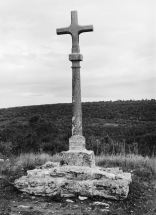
x,y
77,142
78,158
77,154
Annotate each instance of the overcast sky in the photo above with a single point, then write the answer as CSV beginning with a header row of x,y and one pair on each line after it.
x,y
119,55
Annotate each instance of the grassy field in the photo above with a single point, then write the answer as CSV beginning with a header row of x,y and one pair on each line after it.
x,y
143,166
17,166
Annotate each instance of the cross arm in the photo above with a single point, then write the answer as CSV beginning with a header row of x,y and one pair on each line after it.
x,y
85,28
63,31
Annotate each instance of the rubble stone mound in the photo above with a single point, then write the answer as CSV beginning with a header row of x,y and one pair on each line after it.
x,y
52,179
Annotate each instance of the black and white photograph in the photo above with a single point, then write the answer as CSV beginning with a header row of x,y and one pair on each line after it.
x,y
77,107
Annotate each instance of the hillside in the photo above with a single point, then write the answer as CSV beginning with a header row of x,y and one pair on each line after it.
x,y
109,127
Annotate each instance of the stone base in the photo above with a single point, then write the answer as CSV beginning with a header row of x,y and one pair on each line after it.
x,y
78,158
69,181
77,142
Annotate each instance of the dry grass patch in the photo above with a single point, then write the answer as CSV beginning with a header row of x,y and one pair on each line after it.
x,y
17,166
31,160
143,166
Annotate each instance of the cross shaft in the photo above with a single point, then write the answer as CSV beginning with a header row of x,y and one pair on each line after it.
x,y
74,30
77,141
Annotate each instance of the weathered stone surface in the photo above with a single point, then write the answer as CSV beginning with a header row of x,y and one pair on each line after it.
x,y
50,164
75,30
68,181
118,172
78,158
69,200
76,57
101,203
77,142
82,198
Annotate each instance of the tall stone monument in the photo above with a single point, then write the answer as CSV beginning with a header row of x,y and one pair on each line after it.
x,y
76,174
77,154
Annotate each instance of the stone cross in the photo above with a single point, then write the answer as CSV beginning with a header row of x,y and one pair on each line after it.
x,y
74,30
77,141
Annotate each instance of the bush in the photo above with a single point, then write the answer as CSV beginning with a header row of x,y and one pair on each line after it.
x,y
5,148
11,170
30,160
18,166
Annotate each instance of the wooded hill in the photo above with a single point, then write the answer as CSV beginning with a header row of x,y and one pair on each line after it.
x,y
109,127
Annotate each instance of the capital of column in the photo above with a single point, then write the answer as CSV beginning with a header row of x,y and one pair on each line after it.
x,y
76,57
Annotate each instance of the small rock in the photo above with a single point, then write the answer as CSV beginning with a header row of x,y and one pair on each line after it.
x,y
82,198
50,164
1,160
101,204
69,200
46,205
25,206
67,195
106,212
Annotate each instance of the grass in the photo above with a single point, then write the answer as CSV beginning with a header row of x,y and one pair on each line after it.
x,y
141,166
17,166
31,160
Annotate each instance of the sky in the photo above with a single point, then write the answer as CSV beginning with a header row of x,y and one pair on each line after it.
x,y
119,56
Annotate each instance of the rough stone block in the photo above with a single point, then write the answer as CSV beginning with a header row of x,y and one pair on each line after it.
x,y
68,181
77,142
78,158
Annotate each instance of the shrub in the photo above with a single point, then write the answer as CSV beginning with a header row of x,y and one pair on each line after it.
x,y
5,148
31,160
11,170
17,166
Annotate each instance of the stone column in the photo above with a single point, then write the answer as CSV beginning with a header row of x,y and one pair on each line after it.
x,y
77,154
76,94
77,141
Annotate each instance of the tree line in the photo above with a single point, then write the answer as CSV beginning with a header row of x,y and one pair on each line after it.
x,y
109,127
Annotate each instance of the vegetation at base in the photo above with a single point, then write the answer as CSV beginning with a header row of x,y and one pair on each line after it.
x,y
32,160
18,165
109,127
143,166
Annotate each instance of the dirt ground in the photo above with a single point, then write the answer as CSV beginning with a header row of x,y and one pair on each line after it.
x,y
141,201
